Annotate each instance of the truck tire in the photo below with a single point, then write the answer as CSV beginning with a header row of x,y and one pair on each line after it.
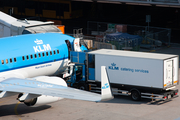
x,y
82,86
135,95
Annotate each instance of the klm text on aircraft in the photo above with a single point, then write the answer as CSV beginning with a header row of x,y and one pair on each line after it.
x,y
40,47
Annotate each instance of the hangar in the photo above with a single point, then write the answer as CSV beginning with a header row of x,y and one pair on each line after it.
x,y
76,13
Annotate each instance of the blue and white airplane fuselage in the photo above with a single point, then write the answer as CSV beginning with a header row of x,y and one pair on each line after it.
x,y
34,55
28,61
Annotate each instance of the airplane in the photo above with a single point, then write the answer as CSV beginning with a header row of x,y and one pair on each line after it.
x,y
29,65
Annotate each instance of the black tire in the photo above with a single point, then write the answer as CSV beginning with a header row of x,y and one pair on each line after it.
x,y
172,95
82,86
135,95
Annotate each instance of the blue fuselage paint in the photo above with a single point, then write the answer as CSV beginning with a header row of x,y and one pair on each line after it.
x,y
29,45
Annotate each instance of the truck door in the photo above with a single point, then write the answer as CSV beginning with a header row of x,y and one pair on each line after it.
x,y
169,72
91,67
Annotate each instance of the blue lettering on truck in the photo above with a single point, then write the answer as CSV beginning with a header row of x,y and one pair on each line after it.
x,y
143,71
114,67
127,69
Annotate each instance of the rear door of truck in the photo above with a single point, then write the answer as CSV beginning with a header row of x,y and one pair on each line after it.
x,y
169,73
171,67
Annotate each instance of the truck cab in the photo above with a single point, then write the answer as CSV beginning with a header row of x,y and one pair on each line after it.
x,y
83,70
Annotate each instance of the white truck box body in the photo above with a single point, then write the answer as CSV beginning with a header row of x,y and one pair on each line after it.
x,y
137,68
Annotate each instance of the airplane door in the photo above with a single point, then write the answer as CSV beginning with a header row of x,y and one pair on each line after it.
x,y
69,48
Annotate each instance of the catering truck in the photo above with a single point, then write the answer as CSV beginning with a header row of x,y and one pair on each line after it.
x,y
138,74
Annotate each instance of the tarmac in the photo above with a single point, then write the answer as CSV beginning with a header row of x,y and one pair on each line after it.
x,y
121,107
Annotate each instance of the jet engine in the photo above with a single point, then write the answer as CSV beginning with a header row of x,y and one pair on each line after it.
x,y
44,99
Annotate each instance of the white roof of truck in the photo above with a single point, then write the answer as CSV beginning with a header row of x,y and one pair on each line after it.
x,y
132,54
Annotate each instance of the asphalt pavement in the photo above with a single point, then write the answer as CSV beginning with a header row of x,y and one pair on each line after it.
x,y
120,108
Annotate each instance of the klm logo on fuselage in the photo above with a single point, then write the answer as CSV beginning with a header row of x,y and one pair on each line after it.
x,y
113,67
41,47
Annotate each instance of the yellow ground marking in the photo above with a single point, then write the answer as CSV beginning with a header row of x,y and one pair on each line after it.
x,y
15,109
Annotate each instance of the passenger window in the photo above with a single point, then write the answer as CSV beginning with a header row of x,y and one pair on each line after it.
x,y
50,52
2,61
27,57
43,54
57,51
6,61
31,56
54,52
23,58
10,60
39,54
46,53
14,59
35,55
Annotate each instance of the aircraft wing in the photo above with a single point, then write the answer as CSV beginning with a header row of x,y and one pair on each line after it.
x,y
16,85
33,88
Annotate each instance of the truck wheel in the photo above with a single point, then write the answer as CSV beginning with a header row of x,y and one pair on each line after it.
x,y
172,95
135,95
82,86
